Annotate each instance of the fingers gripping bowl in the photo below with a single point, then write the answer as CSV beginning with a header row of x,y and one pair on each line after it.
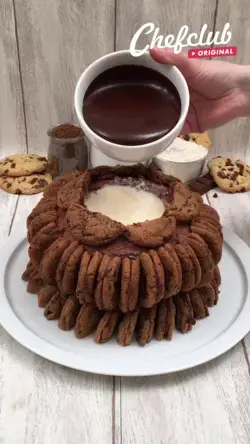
x,y
96,275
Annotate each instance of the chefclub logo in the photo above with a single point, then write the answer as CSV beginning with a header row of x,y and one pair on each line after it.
x,y
185,38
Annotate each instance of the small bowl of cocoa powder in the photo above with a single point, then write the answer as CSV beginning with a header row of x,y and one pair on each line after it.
x,y
68,149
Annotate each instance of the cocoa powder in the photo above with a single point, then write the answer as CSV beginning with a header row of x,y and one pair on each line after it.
x,y
67,131
67,150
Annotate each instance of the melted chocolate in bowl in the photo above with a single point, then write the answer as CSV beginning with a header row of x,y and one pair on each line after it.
x,y
131,105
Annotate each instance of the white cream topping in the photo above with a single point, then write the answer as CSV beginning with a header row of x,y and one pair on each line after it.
x,y
183,151
125,204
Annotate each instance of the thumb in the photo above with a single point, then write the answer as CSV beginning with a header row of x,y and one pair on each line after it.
x,y
188,67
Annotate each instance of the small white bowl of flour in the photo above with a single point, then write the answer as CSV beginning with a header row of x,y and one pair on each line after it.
x,y
182,159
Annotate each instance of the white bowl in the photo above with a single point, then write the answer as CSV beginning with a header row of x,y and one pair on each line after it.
x,y
127,153
185,171
97,158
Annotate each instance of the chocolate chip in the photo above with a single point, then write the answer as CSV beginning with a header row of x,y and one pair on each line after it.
x,y
243,189
43,159
234,175
5,171
42,183
230,169
221,175
13,165
186,137
215,195
18,191
229,162
8,185
241,168
32,181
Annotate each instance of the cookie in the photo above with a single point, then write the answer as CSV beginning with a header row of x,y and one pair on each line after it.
x,y
231,176
89,227
216,290
130,278
172,275
70,275
54,308
45,294
32,184
210,223
63,262
184,313
160,275
51,258
107,326
54,187
69,313
87,321
208,212
29,269
44,205
148,297
146,325
184,206
213,240
165,322
106,292
199,138
188,272
196,263
41,241
18,165
89,280
170,249
35,282
209,294
34,285
40,221
217,276
151,234
198,304
204,257
80,288
127,328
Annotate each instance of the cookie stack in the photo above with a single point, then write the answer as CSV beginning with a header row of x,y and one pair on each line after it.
x,y
96,275
24,174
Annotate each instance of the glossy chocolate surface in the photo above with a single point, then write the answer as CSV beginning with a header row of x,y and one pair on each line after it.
x,y
131,105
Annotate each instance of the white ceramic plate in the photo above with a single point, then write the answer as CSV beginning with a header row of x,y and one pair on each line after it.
x,y
227,324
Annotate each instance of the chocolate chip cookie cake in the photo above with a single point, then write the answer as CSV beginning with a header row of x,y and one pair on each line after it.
x,y
125,251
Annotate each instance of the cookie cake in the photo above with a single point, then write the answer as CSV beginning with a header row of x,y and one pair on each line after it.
x,y
112,277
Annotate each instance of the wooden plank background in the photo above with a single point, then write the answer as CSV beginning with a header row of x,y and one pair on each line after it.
x,y
44,47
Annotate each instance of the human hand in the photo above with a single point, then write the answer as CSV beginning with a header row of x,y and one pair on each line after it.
x,y
219,91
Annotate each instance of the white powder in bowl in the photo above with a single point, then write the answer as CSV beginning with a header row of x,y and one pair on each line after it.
x,y
183,151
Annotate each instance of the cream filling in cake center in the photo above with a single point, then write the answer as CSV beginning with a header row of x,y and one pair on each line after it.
x,y
125,204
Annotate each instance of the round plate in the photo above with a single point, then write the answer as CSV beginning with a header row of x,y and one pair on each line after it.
x,y
227,324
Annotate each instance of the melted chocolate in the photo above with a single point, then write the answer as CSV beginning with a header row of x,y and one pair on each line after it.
x,y
131,105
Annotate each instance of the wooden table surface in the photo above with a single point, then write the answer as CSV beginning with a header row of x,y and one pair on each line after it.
x,y
44,47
